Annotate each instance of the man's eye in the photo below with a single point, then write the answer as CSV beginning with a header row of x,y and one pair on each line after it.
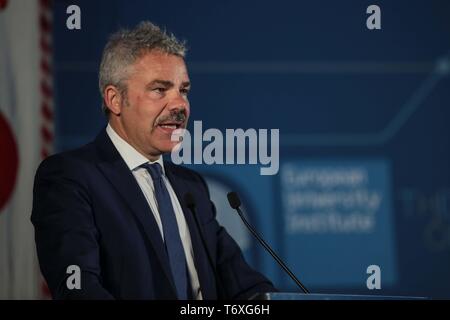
x,y
184,91
159,90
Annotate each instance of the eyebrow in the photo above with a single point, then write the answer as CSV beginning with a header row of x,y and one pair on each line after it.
x,y
167,83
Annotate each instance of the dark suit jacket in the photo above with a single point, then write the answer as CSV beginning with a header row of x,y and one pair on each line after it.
x,y
89,211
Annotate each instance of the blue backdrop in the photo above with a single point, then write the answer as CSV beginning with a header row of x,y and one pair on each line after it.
x,y
363,116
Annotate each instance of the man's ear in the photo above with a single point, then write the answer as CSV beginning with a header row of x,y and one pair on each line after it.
x,y
113,99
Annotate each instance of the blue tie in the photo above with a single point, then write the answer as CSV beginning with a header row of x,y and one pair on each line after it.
x,y
172,238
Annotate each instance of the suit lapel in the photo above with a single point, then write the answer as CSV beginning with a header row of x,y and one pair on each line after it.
x,y
206,278
119,175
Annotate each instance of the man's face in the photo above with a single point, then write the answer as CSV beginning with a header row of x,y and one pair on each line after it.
x,y
157,104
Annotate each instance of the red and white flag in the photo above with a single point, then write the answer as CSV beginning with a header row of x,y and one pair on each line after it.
x,y
26,136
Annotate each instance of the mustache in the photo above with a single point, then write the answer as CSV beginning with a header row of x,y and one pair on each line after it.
x,y
173,116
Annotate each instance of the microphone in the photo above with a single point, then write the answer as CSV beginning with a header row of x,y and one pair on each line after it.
x,y
190,203
235,203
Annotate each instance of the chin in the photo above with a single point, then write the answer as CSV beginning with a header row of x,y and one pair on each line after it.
x,y
167,147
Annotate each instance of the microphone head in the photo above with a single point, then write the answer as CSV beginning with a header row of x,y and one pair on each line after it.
x,y
234,200
189,200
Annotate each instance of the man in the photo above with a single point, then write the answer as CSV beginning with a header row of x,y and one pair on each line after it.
x,y
115,210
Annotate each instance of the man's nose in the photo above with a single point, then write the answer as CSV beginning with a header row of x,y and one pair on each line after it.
x,y
178,103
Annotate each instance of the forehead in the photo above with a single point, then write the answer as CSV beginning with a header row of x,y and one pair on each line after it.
x,y
160,65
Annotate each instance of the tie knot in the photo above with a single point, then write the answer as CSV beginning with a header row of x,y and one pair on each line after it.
x,y
155,170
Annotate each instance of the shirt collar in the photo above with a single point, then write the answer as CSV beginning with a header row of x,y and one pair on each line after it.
x,y
130,155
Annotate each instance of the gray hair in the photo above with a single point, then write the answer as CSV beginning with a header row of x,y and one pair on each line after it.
x,y
126,46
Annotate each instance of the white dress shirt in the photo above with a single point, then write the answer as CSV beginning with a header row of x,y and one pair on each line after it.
x,y
134,161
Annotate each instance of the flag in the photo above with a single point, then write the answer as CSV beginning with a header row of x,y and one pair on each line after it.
x,y
25,137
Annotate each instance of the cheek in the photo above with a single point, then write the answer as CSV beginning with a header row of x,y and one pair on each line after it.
x,y
145,111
